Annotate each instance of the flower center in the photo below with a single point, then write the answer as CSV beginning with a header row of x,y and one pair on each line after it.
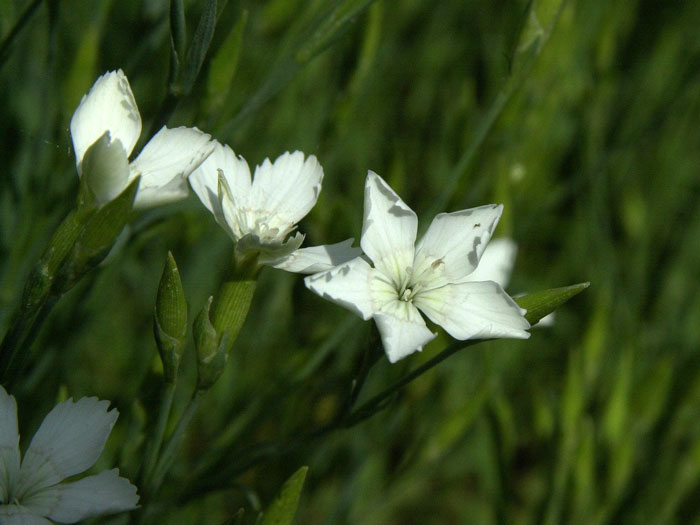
x,y
410,287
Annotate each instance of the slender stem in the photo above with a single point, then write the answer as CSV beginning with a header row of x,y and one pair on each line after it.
x,y
19,359
174,442
37,299
372,353
514,82
14,33
154,444
153,482
375,404
166,110
271,449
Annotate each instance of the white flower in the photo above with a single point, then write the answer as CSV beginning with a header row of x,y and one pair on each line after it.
x,y
105,128
261,213
432,276
68,442
496,265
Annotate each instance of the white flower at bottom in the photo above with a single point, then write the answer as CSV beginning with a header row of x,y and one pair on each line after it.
x,y
261,213
68,442
431,276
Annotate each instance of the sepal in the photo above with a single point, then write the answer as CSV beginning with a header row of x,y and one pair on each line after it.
x,y
99,234
211,349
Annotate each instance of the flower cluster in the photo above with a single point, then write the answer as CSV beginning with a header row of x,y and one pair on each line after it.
x,y
390,279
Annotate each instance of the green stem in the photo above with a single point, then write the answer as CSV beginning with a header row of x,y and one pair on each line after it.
x,y
513,83
154,444
37,299
375,404
14,33
173,444
265,451
371,355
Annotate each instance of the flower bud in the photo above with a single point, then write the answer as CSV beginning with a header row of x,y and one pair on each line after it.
x,y
170,319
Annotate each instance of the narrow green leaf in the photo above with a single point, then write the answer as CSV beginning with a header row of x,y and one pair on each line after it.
x,y
323,36
539,304
222,68
199,46
178,28
337,21
42,276
21,23
284,508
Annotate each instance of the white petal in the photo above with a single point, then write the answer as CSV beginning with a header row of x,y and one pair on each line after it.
x,y
547,321
456,241
109,106
19,515
9,444
68,442
205,179
496,263
286,189
388,229
266,250
165,163
478,310
354,285
317,258
402,328
105,493
106,168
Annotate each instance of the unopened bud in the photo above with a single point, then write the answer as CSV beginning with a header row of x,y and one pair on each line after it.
x,y
170,319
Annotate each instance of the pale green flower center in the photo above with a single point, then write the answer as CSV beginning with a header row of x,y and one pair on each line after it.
x,y
413,284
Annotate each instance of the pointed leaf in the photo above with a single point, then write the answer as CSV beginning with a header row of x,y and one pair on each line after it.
x,y
178,29
222,67
539,304
333,25
199,46
284,508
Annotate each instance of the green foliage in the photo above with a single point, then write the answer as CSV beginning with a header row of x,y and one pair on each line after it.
x,y
581,116
542,303
283,509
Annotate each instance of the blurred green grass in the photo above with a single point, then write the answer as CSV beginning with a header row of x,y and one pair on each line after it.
x,y
596,155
